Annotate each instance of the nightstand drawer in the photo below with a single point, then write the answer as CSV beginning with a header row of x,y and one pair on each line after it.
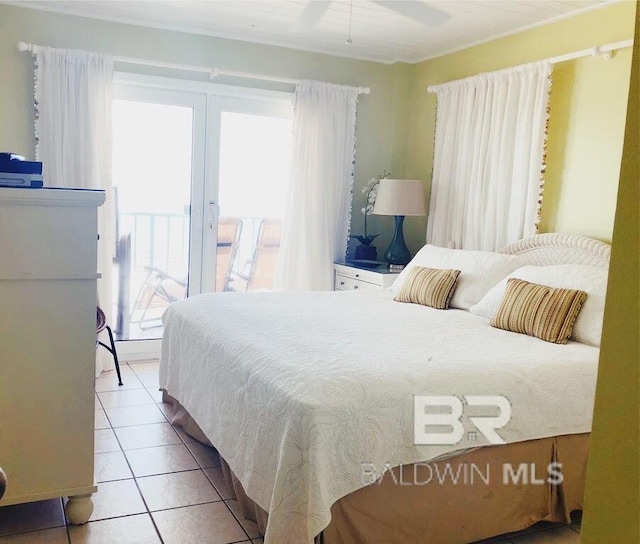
x,y
345,283
352,277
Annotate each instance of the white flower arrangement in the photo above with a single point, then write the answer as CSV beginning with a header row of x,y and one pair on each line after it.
x,y
371,192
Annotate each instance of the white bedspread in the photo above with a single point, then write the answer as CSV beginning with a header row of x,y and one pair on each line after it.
x,y
297,391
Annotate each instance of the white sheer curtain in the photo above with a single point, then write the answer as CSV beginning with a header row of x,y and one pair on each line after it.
x,y
73,101
489,158
318,211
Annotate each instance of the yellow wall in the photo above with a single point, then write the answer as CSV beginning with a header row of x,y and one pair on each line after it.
x,y
588,105
612,503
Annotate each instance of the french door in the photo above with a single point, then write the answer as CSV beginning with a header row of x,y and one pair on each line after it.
x,y
199,173
250,150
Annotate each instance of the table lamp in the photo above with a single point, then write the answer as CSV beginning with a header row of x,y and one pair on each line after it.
x,y
399,197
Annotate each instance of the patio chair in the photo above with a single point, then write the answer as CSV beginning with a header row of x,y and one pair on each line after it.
x,y
259,271
160,289
229,232
157,291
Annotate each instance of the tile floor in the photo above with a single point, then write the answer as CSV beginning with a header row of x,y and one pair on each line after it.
x,y
158,485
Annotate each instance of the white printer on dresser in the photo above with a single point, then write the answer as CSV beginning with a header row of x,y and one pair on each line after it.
x,y
48,255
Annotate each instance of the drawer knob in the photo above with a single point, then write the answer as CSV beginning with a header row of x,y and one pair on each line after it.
x,y
355,286
357,275
341,283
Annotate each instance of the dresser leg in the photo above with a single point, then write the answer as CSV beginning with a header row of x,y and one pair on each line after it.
x,y
79,509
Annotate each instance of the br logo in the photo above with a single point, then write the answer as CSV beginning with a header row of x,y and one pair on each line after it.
x,y
447,410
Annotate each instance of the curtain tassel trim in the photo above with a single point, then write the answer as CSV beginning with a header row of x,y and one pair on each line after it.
x,y
36,106
543,166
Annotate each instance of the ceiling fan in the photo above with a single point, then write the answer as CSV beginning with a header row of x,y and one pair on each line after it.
x,y
413,9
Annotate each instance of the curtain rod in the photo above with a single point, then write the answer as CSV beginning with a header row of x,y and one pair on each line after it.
x,y
233,73
604,50
212,72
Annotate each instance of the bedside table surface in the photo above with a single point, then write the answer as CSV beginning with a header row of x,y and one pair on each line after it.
x,y
371,266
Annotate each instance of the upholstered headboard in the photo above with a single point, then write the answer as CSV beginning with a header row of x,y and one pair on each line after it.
x,y
556,248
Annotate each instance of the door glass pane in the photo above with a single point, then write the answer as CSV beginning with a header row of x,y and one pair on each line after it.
x,y
152,158
255,155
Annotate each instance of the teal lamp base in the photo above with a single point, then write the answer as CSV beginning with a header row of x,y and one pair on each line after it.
x,y
397,254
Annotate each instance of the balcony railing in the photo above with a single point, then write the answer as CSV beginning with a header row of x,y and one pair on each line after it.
x,y
161,241
158,240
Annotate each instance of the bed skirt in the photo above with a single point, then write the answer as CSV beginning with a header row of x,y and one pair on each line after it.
x,y
487,492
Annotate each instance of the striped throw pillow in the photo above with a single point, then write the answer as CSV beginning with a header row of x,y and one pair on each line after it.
x,y
545,312
429,287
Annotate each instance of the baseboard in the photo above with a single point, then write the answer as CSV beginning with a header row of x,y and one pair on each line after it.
x,y
130,351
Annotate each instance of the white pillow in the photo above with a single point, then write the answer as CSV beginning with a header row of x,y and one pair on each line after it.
x,y
479,271
591,279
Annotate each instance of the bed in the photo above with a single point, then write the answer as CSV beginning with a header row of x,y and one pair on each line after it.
x,y
309,399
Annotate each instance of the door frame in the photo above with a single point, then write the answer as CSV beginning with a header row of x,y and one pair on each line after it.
x,y
205,163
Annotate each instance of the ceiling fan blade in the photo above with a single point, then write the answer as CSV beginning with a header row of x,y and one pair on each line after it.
x,y
313,12
416,10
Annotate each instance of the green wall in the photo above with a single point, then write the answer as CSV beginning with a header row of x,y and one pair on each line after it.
x,y
612,497
588,107
381,115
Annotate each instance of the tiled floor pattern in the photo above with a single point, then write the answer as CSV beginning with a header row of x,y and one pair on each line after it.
x,y
158,485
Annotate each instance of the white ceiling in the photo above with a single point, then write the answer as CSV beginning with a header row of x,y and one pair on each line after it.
x,y
396,30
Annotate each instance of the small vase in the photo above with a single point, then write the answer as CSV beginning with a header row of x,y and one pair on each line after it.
x,y
365,253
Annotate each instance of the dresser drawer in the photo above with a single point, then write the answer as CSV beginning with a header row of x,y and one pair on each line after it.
x,y
346,283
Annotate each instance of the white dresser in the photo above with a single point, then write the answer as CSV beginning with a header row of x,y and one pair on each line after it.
x,y
48,246
352,276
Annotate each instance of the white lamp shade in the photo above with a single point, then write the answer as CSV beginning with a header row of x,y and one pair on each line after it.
x,y
400,197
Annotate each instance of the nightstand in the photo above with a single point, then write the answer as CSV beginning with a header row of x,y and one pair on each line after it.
x,y
351,275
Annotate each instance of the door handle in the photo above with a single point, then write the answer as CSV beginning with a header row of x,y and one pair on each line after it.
x,y
213,214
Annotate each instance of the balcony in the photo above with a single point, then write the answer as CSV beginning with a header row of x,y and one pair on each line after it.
x,y
151,265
